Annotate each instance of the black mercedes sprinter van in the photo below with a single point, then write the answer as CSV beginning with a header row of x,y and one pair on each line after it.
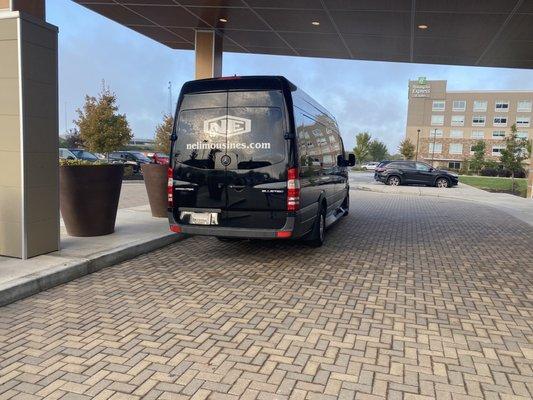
x,y
255,157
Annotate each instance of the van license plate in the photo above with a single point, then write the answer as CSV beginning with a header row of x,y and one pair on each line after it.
x,y
203,218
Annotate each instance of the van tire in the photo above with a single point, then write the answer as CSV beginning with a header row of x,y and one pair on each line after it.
x,y
318,233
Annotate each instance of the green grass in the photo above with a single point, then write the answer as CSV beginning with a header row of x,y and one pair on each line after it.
x,y
495,184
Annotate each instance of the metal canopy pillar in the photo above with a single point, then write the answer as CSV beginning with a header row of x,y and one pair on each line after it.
x,y
530,179
29,200
208,49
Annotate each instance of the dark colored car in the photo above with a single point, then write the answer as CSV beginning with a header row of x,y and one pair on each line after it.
x,y
84,155
380,168
415,172
133,158
255,157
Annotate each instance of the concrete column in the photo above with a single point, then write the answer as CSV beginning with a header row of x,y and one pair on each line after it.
x,y
208,46
29,201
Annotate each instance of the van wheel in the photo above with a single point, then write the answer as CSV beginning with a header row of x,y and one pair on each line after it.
x,y
346,205
318,234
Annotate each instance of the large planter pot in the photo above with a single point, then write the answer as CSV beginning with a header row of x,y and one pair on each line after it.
x,y
155,180
88,196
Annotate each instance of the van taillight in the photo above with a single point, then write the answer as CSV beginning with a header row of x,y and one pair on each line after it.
x,y
170,187
293,190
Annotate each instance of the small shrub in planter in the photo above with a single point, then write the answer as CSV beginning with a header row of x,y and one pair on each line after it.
x,y
488,172
88,196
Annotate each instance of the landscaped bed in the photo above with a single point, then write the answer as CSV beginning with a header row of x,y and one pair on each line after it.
x,y
496,184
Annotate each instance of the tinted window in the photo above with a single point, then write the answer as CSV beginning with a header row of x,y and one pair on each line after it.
x,y
400,164
251,135
84,155
422,167
319,143
140,156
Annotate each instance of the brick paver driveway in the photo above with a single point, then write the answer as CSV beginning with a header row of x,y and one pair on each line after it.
x,y
410,298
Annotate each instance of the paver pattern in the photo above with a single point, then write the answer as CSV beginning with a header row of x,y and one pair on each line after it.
x,y
410,298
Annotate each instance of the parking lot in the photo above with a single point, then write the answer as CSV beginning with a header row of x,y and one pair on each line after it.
x,y
411,297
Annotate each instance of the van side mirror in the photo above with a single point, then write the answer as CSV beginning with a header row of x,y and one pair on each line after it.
x,y
351,159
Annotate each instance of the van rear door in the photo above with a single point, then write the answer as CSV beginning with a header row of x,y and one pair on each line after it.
x,y
231,155
257,176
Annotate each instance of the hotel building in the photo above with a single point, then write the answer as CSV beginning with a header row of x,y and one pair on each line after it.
x,y
444,125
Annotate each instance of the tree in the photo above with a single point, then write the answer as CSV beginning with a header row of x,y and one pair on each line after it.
x,y
478,160
407,149
101,128
514,153
162,134
362,146
396,156
377,150
73,139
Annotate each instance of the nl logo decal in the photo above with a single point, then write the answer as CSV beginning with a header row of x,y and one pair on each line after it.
x,y
227,124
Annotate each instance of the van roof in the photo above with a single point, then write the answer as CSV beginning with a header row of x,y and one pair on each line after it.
x,y
257,82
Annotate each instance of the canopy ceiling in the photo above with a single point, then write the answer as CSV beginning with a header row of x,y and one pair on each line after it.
x,y
459,32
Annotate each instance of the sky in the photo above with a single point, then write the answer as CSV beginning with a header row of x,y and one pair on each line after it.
x,y
363,95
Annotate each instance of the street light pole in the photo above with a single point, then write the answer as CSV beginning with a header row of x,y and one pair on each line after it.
x,y
417,140
434,140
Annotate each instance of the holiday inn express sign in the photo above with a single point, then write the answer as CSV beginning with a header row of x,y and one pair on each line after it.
x,y
420,88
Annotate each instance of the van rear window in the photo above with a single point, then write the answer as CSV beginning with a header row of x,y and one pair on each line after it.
x,y
252,136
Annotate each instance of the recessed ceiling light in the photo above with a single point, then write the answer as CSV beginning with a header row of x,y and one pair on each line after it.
x,y
423,26
223,19
315,23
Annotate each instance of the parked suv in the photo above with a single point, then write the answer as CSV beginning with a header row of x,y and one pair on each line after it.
x,y
133,158
255,157
415,172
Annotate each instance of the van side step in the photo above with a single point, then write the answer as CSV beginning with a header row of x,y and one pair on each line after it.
x,y
334,217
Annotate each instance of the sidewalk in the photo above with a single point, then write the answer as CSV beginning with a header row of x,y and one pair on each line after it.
x,y
137,232
518,207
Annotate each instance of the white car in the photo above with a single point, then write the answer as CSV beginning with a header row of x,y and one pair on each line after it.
x,y
370,166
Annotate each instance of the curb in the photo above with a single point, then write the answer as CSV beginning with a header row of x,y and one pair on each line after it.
x,y
35,283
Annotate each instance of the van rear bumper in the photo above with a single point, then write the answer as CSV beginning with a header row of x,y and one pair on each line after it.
x,y
244,233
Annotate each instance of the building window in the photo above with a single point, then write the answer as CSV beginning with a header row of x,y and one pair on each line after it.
x,y
496,150
500,121
456,148
498,134
478,135
459,105
437,120
502,106
435,133
458,120
435,148
524,106
522,135
480,105
478,120
454,165
523,122
439,105
456,134
472,149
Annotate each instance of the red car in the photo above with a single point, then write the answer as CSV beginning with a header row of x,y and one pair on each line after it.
x,y
159,158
